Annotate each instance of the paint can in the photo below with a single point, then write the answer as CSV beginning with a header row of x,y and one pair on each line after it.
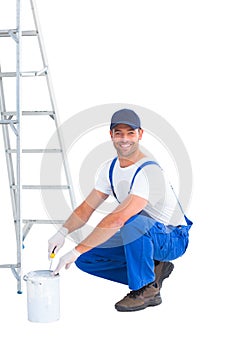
x,y
43,296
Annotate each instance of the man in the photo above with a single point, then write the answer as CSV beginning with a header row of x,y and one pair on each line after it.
x,y
135,241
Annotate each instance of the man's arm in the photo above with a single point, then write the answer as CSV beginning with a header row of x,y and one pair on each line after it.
x,y
83,212
77,219
112,222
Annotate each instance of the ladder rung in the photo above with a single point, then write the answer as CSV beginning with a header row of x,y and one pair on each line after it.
x,y
12,113
36,221
8,122
42,187
36,150
6,32
45,187
7,74
9,266
24,74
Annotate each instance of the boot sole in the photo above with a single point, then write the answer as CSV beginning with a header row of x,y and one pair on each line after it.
x,y
149,303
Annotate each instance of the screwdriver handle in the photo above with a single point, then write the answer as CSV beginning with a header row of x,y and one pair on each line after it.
x,y
52,255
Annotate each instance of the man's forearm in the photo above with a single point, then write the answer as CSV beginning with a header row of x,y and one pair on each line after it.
x,y
112,222
83,212
74,222
104,230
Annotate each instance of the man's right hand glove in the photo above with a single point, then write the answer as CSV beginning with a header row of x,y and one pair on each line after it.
x,y
57,241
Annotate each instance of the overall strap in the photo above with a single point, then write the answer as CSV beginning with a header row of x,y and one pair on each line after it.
x,y
189,223
132,181
110,177
140,168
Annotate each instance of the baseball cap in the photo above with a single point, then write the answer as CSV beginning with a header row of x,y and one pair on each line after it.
x,y
125,116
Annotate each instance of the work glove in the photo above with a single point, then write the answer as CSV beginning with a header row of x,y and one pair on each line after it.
x,y
66,260
57,241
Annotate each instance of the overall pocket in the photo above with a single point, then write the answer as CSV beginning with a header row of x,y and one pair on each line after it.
x,y
178,242
169,245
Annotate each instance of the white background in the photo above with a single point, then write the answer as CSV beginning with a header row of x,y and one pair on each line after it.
x,y
173,57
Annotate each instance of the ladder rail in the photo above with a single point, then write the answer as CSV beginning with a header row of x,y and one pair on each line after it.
x,y
53,101
7,145
15,268
18,142
13,120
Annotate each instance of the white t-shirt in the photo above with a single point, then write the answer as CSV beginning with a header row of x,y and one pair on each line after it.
x,y
150,183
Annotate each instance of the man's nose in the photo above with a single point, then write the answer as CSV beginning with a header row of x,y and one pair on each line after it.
x,y
124,137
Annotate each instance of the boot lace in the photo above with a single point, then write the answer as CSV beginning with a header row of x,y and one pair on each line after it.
x,y
134,293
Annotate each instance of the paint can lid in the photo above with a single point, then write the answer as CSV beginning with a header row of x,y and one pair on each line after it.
x,y
40,275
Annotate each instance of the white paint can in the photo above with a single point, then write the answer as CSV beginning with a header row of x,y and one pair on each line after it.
x,y
43,296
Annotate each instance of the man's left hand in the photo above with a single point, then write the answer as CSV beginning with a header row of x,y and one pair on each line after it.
x,y
66,260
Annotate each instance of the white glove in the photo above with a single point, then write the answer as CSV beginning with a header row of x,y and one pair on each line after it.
x,y
66,260
57,241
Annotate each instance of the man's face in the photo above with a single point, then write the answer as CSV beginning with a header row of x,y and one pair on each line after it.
x,y
125,139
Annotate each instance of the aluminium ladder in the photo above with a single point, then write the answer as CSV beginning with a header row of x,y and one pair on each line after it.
x,y
12,123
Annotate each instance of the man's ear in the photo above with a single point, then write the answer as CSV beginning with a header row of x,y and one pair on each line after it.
x,y
111,133
140,131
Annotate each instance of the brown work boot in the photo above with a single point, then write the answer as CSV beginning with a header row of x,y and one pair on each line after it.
x,y
162,271
140,299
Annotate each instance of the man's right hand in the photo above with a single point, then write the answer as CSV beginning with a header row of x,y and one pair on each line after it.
x,y
57,241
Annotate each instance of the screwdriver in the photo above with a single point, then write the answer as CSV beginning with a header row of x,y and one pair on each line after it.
x,y
51,257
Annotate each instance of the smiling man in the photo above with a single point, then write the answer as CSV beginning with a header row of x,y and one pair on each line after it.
x,y
135,242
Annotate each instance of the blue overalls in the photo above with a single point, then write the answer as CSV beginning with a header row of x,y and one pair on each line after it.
x,y
128,257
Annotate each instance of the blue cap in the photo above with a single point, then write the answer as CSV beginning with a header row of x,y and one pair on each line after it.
x,y
125,116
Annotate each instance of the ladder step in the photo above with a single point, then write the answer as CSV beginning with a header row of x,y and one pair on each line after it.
x,y
7,74
42,187
12,113
36,150
8,266
6,32
29,74
45,187
8,122
36,221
